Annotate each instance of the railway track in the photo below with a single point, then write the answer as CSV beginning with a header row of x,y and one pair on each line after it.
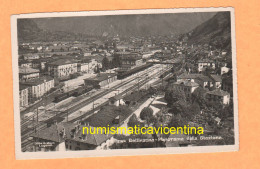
x,y
76,106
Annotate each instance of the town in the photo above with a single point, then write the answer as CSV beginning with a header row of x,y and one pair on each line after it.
x,y
122,82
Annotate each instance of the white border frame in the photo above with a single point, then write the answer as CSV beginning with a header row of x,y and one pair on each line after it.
x,y
118,152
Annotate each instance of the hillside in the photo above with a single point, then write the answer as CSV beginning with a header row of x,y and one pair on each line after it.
x,y
216,31
28,31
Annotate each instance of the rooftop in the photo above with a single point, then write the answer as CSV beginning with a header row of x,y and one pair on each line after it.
x,y
61,62
187,83
190,76
107,114
26,70
205,61
218,92
52,133
102,77
116,97
93,139
216,78
37,81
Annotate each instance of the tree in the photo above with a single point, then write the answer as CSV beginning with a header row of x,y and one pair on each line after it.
x,y
177,122
133,121
105,63
146,113
199,96
178,107
173,95
116,61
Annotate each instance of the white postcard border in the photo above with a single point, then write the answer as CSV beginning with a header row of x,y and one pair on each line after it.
x,y
118,152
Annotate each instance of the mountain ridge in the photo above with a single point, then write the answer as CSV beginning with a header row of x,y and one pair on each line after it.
x,y
122,25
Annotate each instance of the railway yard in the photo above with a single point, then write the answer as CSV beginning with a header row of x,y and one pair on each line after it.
x,y
86,101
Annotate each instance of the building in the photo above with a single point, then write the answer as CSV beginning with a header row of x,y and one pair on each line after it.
x,y
205,63
25,63
87,53
41,64
224,70
62,68
111,116
23,95
26,73
217,80
38,87
116,100
52,138
227,85
79,141
187,86
210,81
31,56
93,64
218,96
83,67
101,79
190,77
129,62
205,82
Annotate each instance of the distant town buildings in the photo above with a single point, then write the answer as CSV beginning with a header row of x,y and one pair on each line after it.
x,y
205,63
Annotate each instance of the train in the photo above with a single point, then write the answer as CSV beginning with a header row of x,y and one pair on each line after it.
x,y
75,93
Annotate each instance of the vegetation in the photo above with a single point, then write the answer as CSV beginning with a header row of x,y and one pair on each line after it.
x,y
146,114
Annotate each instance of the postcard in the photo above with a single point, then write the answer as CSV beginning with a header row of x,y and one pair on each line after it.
x,y
124,82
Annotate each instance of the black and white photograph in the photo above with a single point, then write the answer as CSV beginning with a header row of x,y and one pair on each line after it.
x,y
125,82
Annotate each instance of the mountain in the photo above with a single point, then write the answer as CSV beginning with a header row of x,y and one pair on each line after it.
x,y
127,25
122,25
29,31
216,31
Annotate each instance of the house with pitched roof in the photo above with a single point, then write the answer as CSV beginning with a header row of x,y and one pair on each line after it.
x,y
187,86
217,80
116,100
219,96
111,116
53,138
